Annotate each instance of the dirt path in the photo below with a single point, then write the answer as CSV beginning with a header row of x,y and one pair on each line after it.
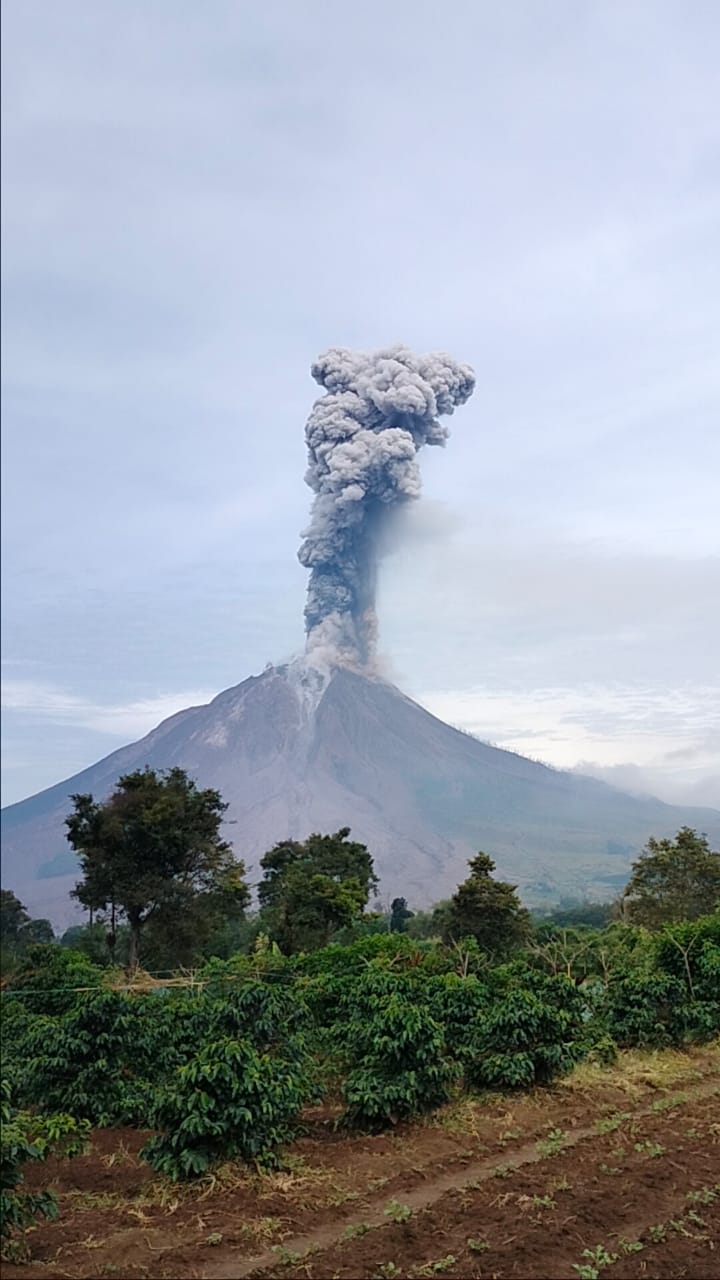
x,y
431,1193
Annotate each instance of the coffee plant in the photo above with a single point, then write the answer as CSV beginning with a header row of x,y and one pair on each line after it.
x,y
28,1137
230,1102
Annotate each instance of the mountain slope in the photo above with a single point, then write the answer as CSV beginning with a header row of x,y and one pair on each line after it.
x,y
292,753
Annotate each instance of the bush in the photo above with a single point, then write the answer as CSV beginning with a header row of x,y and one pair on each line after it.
x,y
395,1052
49,975
529,1034
28,1137
96,1062
647,1011
230,1101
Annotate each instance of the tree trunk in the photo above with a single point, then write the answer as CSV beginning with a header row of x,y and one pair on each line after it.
x,y
134,945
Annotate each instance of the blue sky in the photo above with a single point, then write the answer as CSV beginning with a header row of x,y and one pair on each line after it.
x,y
201,198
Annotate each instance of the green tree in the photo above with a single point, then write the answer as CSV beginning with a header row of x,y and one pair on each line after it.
x,y
400,913
488,910
673,880
153,852
17,929
312,889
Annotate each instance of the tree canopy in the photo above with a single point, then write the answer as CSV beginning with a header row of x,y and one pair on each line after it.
x,y
486,909
153,852
313,888
673,880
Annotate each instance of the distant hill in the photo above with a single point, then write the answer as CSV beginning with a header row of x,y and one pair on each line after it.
x,y
294,753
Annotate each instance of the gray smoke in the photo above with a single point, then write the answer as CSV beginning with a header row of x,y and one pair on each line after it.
x,y
379,408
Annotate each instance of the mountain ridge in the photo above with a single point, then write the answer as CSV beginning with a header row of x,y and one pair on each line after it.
x,y
293,750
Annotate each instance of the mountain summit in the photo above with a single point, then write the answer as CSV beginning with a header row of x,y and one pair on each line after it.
x,y
295,751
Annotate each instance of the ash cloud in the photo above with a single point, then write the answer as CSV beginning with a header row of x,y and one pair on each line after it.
x,y
363,436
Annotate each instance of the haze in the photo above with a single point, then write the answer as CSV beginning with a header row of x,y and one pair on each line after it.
x,y
199,200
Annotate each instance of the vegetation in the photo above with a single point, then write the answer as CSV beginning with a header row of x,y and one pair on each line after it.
x,y
26,1138
153,852
387,1014
673,880
311,890
488,910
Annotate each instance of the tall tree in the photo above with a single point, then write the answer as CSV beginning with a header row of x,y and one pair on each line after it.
x,y
400,913
17,929
673,880
153,852
312,888
486,909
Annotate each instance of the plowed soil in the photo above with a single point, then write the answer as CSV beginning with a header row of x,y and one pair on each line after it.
x,y
617,1172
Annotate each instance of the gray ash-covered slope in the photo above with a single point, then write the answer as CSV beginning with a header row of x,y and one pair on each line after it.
x,y
293,753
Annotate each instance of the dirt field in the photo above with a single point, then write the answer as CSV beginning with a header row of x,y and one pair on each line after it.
x,y
614,1173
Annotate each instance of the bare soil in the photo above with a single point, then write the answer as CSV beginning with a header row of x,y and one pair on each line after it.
x,y
518,1186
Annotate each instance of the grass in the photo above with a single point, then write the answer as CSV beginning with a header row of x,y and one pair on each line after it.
x,y
637,1069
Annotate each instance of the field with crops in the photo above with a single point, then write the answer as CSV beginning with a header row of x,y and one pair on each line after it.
x,y
613,1171
389,1107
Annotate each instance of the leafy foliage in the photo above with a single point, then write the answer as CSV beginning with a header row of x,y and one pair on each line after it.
x,y
153,852
488,910
312,889
395,1054
529,1034
28,1137
674,880
229,1101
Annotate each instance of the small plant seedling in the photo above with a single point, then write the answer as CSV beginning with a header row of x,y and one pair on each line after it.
x,y
502,1171
692,1133
387,1271
476,1245
694,1216
675,1100
356,1229
705,1195
618,1152
562,1185
652,1149
285,1255
597,1258
442,1264
215,1238
544,1202
631,1246
397,1212
610,1169
551,1145
658,1233
510,1134
608,1124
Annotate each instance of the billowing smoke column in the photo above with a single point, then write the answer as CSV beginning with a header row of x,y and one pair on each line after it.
x,y
362,438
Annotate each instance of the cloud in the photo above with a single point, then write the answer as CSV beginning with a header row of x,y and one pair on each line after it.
x,y
124,721
627,735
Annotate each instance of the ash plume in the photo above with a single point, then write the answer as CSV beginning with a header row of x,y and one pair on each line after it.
x,y
363,436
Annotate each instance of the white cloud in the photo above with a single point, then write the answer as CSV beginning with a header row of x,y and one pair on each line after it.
x,y
657,740
124,721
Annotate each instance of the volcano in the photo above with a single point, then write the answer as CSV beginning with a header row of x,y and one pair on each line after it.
x,y
293,751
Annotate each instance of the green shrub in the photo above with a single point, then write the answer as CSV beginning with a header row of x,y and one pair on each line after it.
x,y
528,1035
395,1054
97,1061
29,1137
231,1101
48,977
647,1012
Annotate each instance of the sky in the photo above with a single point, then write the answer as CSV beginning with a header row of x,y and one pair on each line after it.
x,y
199,199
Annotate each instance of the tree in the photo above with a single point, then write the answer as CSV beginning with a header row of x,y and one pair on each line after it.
x,y
487,910
673,880
17,929
312,889
153,852
399,915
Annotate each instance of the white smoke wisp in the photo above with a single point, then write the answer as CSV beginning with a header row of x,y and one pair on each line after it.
x,y
363,435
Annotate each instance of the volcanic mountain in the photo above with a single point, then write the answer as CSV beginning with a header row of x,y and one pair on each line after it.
x,y
294,752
